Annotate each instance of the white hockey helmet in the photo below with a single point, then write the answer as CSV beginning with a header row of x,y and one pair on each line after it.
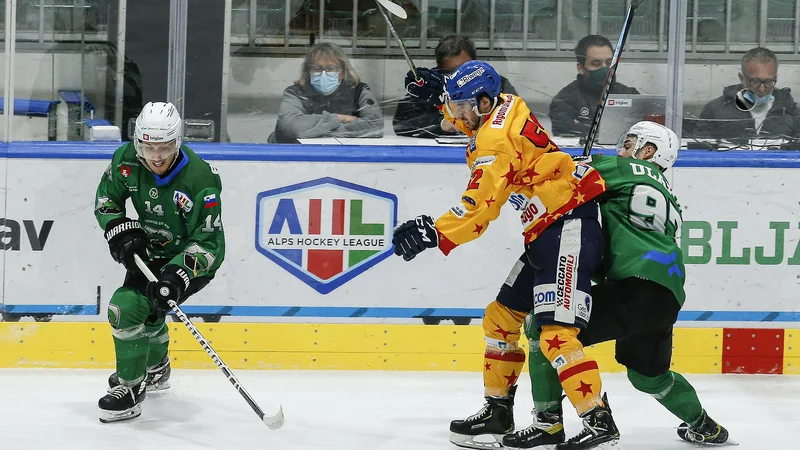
x,y
662,138
158,122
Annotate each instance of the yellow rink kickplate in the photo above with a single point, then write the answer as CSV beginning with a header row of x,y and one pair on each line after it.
x,y
322,346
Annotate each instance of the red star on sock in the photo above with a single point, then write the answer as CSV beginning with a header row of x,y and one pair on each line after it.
x,y
585,389
511,378
503,332
554,343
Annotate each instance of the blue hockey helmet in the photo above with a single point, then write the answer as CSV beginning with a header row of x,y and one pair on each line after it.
x,y
467,82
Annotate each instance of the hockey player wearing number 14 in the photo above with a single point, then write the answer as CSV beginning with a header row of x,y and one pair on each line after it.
x,y
513,160
178,234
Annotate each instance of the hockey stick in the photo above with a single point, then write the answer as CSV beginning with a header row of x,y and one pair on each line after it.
x,y
381,4
272,422
612,70
394,8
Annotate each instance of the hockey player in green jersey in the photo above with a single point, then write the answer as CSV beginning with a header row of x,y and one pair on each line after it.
x,y
638,295
176,195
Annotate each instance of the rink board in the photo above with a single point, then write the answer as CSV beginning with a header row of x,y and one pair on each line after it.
x,y
740,235
741,238
287,346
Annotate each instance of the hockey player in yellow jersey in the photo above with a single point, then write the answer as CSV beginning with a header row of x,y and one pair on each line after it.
x,y
513,160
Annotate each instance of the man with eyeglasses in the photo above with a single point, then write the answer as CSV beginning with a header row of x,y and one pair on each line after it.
x,y
419,113
775,114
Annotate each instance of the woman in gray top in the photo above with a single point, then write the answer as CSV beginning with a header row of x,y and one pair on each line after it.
x,y
329,100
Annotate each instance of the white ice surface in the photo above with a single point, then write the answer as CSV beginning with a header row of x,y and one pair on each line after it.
x,y
57,409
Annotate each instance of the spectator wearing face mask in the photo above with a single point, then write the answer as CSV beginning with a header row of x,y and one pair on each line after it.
x,y
328,100
572,109
775,113
418,114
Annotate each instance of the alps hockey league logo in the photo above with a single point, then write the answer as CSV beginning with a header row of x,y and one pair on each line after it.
x,y
326,231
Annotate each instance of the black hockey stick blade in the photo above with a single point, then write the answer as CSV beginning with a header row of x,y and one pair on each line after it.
x,y
612,70
394,8
397,38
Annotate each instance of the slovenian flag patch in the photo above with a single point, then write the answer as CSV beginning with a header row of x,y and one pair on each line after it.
x,y
210,200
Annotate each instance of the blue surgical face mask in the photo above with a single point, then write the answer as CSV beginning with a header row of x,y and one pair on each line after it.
x,y
756,100
325,83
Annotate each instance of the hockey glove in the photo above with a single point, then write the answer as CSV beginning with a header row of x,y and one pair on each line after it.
x,y
126,238
432,88
171,285
414,236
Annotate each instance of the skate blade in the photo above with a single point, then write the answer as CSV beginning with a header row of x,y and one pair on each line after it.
x,y
538,447
612,445
728,443
479,442
158,387
119,416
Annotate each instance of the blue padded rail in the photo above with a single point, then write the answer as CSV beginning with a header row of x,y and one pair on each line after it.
x,y
374,154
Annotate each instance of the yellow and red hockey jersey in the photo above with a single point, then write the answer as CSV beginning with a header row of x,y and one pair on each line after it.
x,y
513,159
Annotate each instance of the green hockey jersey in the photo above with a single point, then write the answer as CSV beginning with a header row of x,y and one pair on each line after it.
x,y
181,212
641,217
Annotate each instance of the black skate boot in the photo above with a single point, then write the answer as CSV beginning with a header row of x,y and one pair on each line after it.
x,y
707,431
599,430
157,377
486,428
122,403
547,431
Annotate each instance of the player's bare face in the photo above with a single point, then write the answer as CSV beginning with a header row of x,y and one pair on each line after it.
x,y
465,112
158,155
627,147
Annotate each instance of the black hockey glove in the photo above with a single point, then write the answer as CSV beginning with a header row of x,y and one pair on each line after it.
x,y
432,88
126,238
171,285
414,236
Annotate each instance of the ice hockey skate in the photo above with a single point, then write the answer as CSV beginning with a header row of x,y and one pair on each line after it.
x,y
707,431
122,403
545,433
157,377
486,428
599,431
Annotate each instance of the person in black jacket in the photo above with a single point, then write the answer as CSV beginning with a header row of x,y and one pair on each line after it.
x,y
775,114
329,100
572,109
418,114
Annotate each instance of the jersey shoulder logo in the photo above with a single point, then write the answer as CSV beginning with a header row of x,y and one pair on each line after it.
x,y
183,201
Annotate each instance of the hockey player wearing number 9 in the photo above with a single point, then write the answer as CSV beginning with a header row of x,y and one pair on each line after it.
x,y
178,234
513,160
639,293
